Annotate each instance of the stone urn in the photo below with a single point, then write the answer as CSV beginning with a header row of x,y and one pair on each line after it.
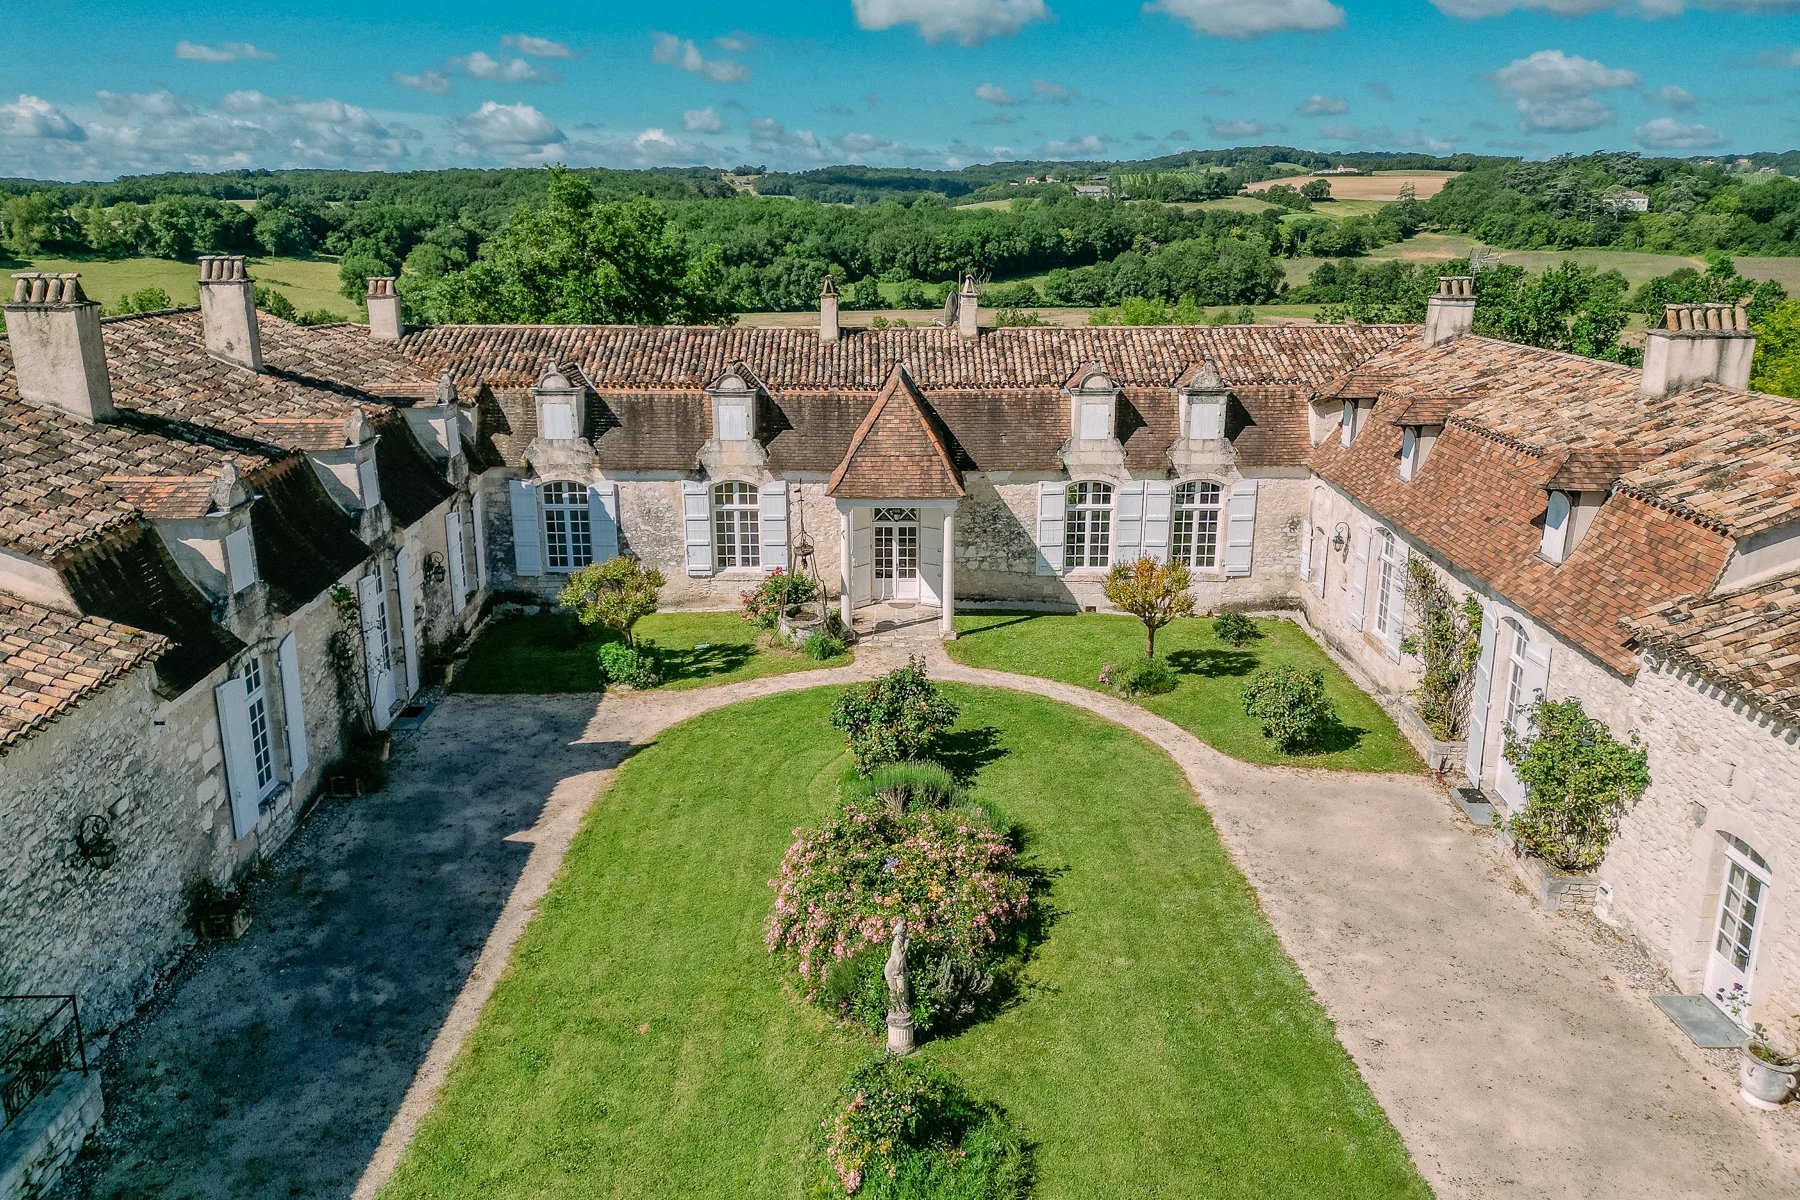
x,y
1765,1078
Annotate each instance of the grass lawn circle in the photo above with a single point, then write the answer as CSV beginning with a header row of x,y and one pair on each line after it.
x,y
643,1043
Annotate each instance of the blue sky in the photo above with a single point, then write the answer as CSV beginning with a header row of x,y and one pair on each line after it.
x,y
97,90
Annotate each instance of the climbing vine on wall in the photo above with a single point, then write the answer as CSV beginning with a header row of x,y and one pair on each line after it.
x,y
1447,639
345,648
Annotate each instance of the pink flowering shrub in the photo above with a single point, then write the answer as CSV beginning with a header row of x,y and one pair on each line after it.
x,y
903,1127
952,876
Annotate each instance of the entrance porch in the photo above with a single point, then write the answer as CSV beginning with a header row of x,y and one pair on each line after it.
x,y
897,563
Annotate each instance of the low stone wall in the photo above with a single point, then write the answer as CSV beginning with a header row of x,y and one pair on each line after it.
x,y
1553,889
45,1139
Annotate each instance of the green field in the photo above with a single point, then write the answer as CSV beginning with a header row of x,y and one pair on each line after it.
x,y
311,283
643,1043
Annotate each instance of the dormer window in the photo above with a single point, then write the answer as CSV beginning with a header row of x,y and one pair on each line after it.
x,y
1555,546
1096,419
1096,399
559,406
1347,423
734,408
1205,417
556,420
1416,442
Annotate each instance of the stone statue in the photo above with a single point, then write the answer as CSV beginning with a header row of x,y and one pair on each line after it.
x,y
899,1018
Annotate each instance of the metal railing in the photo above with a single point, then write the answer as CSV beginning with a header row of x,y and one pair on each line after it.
x,y
40,1042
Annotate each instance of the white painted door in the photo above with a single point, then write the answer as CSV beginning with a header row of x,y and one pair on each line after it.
x,y
896,554
409,627
378,649
1743,895
1527,672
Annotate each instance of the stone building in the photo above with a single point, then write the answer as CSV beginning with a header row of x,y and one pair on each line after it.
x,y
199,510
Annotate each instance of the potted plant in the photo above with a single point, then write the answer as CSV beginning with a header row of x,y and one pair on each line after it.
x,y
217,911
1766,1075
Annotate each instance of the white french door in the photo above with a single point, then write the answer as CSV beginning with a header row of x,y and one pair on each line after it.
x,y
896,554
1743,895
378,647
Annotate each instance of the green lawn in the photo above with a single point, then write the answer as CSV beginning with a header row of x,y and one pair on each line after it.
x,y
552,652
310,283
1073,648
643,1044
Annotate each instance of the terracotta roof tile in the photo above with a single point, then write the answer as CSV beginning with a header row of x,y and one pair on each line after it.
x,y
1748,641
898,452
168,497
50,661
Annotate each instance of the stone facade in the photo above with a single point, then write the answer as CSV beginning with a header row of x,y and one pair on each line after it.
x,y
48,1135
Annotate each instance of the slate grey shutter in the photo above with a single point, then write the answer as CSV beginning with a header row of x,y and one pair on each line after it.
x,y
1480,700
478,516
1240,528
232,699
1359,578
1324,553
293,706
696,518
603,520
1128,521
240,559
528,554
773,504
1396,603
378,647
1052,497
1157,503
453,554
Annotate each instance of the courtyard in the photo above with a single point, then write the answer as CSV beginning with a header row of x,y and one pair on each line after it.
x,y
533,966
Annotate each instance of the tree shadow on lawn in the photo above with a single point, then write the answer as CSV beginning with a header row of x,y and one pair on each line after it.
x,y
1213,663
1335,738
701,662
964,752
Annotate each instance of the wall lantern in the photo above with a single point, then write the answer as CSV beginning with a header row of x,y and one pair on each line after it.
x,y
1340,537
94,844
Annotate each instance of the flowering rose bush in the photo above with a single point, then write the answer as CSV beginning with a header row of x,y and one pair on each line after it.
x,y
764,603
903,1127
894,718
952,876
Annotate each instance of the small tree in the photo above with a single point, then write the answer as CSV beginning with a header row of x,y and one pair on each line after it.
x,y
894,718
1153,591
1290,705
1579,779
613,594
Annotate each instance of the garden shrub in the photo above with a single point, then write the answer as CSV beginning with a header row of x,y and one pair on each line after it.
x,y
894,718
614,594
821,646
778,591
1234,628
633,666
904,1129
1139,676
1578,778
1291,706
906,786
949,872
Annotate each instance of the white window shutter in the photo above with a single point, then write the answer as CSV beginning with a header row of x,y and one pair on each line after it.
x,y
1306,553
1409,452
1359,577
409,632
1480,699
1555,544
1396,602
1096,420
603,520
453,555
371,596
232,700
240,559
1206,419
1052,498
293,706
478,515
1240,529
528,551
696,513
368,479
1128,521
1158,498
1323,565
774,524
1536,677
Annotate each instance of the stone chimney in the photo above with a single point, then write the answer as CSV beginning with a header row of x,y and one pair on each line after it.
x,y
828,312
58,356
1450,313
968,309
1698,343
228,311
383,303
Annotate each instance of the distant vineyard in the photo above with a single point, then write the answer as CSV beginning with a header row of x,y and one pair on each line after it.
x,y
1142,183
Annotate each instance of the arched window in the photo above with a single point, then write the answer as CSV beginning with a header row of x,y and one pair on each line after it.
x,y
1194,525
737,533
1087,537
568,535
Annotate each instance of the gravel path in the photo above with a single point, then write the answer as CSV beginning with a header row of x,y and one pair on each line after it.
x,y
1504,1044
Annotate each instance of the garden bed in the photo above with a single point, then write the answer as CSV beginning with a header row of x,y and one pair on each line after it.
x,y
1212,674
643,1042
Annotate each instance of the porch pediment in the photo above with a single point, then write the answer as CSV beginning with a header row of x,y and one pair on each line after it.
x,y
898,451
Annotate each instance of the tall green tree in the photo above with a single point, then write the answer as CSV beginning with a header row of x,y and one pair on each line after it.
x,y
1776,367
577,260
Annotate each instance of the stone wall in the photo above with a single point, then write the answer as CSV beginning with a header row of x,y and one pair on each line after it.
x,y
35,1149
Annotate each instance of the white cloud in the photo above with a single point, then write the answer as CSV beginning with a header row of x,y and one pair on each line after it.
x,y
670,50
1323,106
1381,137
224,52
1673,96
31,117
1052,93
536,47
433,81
1081,147
512,129
1242,19
735,43
1554,92
702,120
861,146
970,22
482,65
1666,133
655,145
1474,10
766,133
161,103
993,93
1240,129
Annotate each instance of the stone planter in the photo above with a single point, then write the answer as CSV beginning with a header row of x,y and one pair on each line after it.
x,y
1764,1084
1441,757
1554,889
224,926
